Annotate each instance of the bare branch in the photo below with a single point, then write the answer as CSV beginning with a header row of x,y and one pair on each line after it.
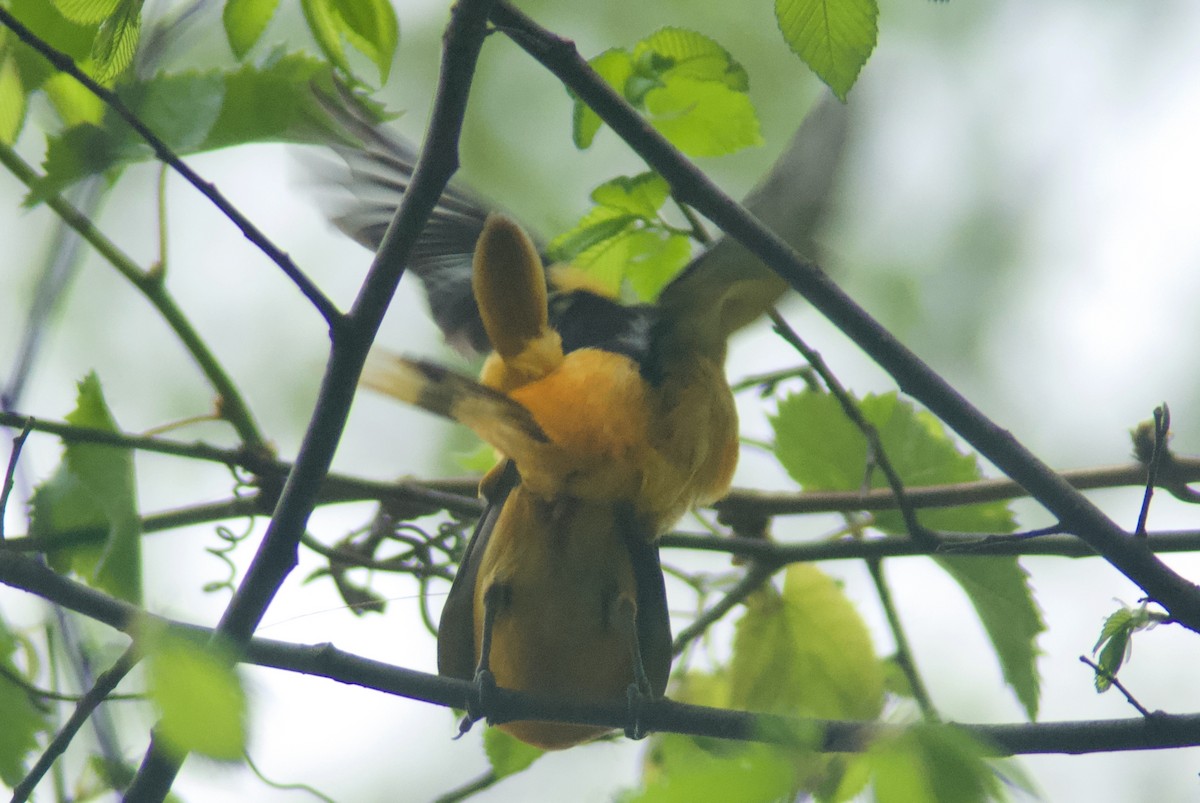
x,y
99,692
1159,731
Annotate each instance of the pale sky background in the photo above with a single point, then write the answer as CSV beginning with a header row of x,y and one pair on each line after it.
x,y
1019,205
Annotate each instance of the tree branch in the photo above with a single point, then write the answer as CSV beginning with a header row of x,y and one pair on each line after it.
x,y
277,555
83,709
1159,731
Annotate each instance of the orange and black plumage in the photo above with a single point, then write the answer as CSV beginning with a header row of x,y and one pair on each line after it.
x,y
612,421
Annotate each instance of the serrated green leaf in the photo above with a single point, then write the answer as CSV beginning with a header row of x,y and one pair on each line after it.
x,y
325,28
194,112
703,118
507,755
117,41
648,257
94,487
998,588
615,66
245,21
181,108
45,20
1116,636
273,102
599,225
23,721
929,763
817,445
822,450
1112,658
87,12
200,696
833,37
689,54
642,195
1119,621
805,652
371,27
12,98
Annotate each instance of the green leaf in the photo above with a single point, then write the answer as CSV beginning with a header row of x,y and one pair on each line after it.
x,y
117,41
87,12
245,21
74,103
273,102
822,450
683,53
930,763
48,23
325,27
642,195
23,721
681,769
507,755
655,257
94,487
200,697
369,25
616,68
999,590
194,112
703,118
1116,640
833,37
599,225
805,652
649,258
180,108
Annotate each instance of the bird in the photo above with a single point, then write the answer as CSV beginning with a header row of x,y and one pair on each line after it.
x,y
610,421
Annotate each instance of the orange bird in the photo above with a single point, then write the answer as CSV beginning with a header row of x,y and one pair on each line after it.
x,y
611,421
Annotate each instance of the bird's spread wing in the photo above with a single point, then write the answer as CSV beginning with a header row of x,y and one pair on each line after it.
x,y
722,290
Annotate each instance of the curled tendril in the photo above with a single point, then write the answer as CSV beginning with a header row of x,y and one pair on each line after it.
x,y
243,486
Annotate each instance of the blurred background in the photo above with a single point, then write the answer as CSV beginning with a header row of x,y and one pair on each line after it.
x,y
1019,207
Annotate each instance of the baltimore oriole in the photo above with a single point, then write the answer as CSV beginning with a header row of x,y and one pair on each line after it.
x,y
612,421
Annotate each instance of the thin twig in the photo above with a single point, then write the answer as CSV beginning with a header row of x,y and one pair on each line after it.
x,y
99,692
1111,678
904,654
38,693
11,473
470,788
757,574
1162,426
876,455
63,63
